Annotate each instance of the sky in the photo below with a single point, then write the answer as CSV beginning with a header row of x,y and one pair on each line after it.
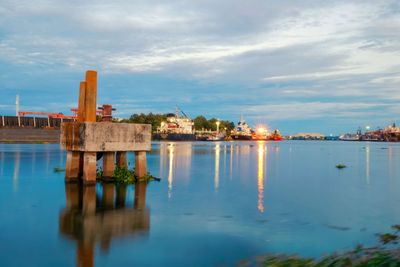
x,y
300,66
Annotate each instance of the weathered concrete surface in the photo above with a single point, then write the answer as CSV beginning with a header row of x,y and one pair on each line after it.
x,y
121,159
140,163
105,137
89,168
29,135
73,167
108,164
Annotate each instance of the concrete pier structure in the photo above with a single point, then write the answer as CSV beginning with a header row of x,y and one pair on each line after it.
x,y
85,138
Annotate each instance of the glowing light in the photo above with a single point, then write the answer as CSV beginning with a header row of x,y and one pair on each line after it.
x,y
260,130
217,123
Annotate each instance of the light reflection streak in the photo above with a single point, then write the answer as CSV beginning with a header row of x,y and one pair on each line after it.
x,y
170,169
216,176
2,163
262,150
16,170
367,156
230,162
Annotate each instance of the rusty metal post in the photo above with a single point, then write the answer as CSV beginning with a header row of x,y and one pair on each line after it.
x,y
89,115
140,163
81,102
107,112
90,96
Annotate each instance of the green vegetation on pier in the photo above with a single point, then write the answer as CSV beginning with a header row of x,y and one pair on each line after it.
x,y
125,176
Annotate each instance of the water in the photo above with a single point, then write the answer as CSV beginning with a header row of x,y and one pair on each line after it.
x,y
216,205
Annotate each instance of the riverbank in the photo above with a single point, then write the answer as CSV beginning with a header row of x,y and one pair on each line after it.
x,y
29,135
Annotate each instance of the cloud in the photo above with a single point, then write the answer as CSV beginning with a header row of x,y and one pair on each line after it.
x,y
228,54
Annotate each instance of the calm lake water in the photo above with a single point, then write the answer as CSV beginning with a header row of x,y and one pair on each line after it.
x,y
216,205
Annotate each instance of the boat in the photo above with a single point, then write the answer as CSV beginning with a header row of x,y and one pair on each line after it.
x,y
351,137
177,127
216,137
276,135
242,131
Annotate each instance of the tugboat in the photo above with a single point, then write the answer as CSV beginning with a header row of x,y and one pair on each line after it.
x,y
242,131
178,127
276,135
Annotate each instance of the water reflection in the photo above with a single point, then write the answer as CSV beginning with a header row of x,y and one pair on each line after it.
x,y
216,173
262,151
90,218
174,156
367,163
17,161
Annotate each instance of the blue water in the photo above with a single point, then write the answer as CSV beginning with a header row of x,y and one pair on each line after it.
x,y
216,205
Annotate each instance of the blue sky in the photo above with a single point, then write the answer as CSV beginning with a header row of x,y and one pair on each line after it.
x,y
300,66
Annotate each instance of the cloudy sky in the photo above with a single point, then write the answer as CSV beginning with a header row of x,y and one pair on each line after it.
x,y
320,66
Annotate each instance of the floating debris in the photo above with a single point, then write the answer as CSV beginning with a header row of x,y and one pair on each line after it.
x,y
341,166
336,227
59,169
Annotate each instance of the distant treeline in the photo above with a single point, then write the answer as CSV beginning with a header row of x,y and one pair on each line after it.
x,y
200,122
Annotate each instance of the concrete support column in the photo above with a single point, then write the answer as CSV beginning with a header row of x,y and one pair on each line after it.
x,y
108,165
19,121
121,160
34,121
2,120
73,166
140,163
89,168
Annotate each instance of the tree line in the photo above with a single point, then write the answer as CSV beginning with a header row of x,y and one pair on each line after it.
x,y
200,122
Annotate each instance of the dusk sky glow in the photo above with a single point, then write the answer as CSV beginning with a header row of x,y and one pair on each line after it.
x,y
300,66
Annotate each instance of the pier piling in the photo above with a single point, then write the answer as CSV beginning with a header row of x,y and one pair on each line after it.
x,y
85,138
